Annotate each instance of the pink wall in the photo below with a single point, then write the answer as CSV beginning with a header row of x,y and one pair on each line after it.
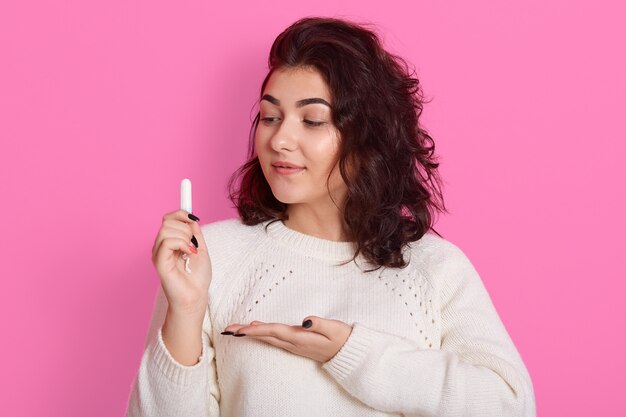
x,y
106,106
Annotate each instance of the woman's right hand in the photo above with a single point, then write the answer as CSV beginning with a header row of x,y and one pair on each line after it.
x,y
186,293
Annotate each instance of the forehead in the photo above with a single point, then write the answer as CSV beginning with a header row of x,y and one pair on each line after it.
x,y
293,84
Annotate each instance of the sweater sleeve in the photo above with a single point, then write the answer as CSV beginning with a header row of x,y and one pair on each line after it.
x,y
163,386
476,372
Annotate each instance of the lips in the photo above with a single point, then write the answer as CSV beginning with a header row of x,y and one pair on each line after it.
x,y
285,164
285,168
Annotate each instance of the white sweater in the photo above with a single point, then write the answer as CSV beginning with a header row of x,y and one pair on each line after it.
x,y
426,340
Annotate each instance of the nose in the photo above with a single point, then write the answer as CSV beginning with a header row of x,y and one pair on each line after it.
x,y
284,137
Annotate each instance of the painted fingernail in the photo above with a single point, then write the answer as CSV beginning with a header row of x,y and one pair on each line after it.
x,y
194,241
227,332
192,217
307,323
239,334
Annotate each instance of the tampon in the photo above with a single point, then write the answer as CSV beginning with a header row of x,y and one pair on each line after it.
x,y
185,204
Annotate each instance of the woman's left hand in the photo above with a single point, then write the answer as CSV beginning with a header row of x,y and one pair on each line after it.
x,y
321,341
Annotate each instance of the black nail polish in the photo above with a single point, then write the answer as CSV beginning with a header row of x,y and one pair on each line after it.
x,y
307,323
228,333
239,334
192,217
194,241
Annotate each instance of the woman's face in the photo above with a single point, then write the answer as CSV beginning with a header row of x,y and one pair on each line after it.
x,y
296,126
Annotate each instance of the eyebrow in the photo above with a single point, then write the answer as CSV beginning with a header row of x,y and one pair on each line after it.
x,y
299,103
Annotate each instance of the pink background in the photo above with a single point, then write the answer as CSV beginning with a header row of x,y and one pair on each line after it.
x,y
106,106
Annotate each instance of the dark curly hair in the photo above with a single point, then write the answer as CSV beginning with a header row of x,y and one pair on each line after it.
x,y
386,159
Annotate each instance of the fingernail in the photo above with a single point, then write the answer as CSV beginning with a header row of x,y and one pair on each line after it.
x,y
227,332
307,323
193,249
239,334
192,217
194,241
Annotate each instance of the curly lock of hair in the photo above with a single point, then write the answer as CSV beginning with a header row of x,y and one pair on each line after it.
x,y
386,158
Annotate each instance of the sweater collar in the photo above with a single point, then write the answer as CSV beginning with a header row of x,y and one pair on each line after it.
x,y
310,245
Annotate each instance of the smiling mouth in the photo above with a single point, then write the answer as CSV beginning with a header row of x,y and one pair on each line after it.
x,y
285,170
283,164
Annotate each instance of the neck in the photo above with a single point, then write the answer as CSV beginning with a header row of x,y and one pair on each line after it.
x,y
324,224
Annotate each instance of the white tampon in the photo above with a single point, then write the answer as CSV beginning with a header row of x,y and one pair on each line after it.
x,y
185,204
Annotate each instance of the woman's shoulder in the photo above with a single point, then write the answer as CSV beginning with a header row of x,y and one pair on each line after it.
x,y
230,238
439,257
231,226
232,229
432,246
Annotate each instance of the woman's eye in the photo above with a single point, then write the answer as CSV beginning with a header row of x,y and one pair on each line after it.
x,y
268,120
312,123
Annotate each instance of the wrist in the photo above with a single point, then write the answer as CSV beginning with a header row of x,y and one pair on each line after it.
x,y
187,314
190,304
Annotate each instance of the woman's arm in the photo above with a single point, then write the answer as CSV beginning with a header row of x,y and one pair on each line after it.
x,y
477,372
163,386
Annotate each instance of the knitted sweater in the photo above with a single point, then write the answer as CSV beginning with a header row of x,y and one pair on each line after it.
x,y
426,340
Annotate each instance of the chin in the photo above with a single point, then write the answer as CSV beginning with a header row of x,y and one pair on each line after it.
x,y
287,198
287,195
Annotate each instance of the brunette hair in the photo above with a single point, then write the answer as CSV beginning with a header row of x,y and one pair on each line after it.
x,y
386,158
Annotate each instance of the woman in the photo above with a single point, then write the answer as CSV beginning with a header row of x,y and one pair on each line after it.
x,y
327,297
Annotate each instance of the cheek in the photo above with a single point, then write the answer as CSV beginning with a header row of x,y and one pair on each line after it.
x,y
328,157
258,138
336,180
260,143
322,150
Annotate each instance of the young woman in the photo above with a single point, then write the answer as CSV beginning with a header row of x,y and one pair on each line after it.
x,y
327,296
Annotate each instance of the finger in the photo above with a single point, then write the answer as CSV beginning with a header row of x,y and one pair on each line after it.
x,y
192,227
184,229
180,230
174,244
181,215
302,340
234,327
199,235
175,224
278,330
173,220
263,331
318,325
176,232
274,341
